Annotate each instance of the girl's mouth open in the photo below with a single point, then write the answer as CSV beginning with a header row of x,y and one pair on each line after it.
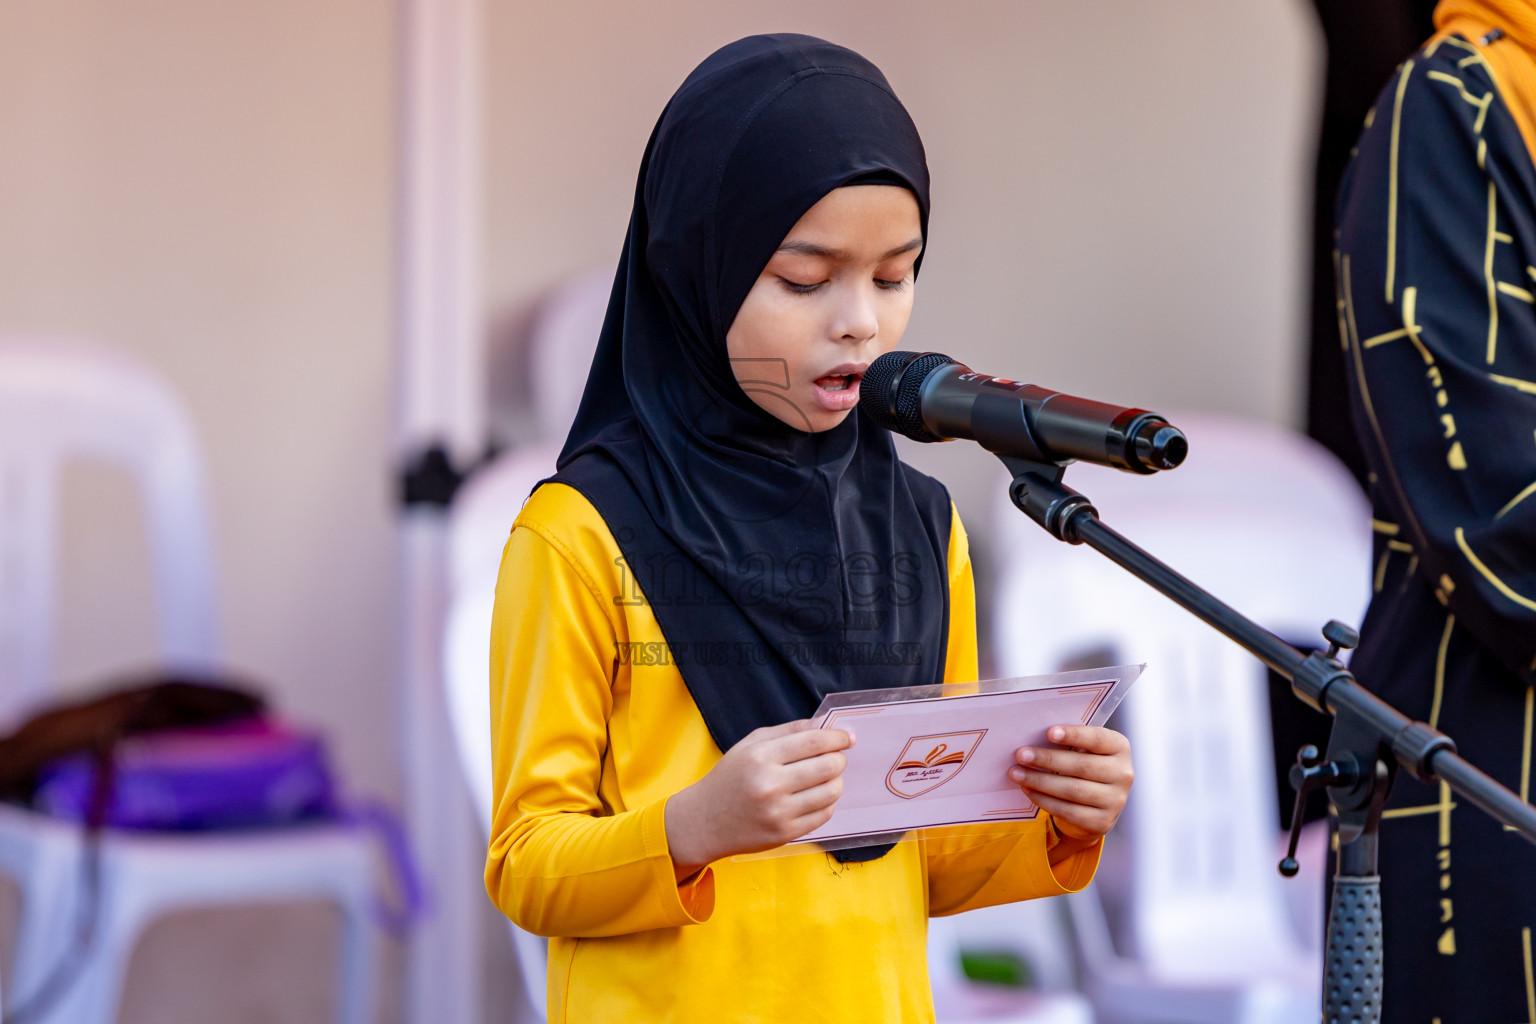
x,y
838,392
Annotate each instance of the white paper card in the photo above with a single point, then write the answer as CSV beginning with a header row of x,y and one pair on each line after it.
x,y
929,755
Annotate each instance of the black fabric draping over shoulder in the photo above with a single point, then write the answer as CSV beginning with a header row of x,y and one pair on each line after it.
x,y
782,565
1437,238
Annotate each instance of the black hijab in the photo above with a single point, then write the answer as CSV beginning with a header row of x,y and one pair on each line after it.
x,y
781,565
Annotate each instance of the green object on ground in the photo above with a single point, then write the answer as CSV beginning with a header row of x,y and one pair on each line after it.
x,y
997,967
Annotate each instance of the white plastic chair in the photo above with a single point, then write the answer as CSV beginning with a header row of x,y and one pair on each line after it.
x,y
479,523
561,341
60,402
1274,526
560,346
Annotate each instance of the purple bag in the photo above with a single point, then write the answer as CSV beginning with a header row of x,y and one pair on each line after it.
x,y
177,754
253,772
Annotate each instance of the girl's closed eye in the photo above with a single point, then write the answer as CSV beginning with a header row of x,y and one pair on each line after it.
x,y
801,289
891,284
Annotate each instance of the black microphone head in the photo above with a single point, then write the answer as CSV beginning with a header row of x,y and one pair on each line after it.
x,y
891,391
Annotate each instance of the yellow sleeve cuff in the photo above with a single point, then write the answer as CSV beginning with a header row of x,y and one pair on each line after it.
x,y
688,902
1072,873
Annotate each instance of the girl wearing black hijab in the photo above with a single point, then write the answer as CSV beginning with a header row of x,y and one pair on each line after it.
x,y
725,543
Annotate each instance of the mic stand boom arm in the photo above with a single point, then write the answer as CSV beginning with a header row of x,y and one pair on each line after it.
x,y
1370,740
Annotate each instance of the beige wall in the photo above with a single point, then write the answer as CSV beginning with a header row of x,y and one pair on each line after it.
x,y
1118,190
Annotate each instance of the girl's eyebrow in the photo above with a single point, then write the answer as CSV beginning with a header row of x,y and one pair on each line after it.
x,y
812,249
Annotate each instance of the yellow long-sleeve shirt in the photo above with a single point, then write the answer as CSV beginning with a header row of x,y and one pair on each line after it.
x,y
589,746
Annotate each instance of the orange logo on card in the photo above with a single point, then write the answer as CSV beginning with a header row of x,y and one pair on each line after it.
x,y
927,762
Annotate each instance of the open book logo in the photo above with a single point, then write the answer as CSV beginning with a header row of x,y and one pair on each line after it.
x,y
928,762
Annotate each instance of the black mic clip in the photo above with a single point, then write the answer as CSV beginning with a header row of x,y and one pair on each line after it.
x,y
1038,492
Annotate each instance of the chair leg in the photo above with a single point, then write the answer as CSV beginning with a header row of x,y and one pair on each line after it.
x,y
97,990
96,993
46,943
357,965
45,931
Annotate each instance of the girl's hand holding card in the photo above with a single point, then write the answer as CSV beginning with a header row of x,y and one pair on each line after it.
x,y
773,787
1083,782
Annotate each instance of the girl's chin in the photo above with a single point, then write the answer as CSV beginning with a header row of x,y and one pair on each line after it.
x,y
821,420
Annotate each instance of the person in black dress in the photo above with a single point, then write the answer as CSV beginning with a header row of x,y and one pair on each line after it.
x,y
1436,270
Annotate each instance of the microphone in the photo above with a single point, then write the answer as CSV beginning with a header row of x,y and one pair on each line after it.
x,y
928,396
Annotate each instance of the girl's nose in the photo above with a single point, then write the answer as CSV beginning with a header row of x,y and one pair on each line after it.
x,y
857,321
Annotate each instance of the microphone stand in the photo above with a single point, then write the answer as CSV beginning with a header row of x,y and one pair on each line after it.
x,y
1370,740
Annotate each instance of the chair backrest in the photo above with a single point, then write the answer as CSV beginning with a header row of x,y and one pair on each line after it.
x,y
1273,526
478,526
560,346
479,523
64,401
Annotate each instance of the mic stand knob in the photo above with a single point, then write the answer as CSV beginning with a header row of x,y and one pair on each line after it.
x,y
1308,773
1339,636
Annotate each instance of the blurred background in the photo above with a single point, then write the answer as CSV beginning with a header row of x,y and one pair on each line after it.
x,y
1123,207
